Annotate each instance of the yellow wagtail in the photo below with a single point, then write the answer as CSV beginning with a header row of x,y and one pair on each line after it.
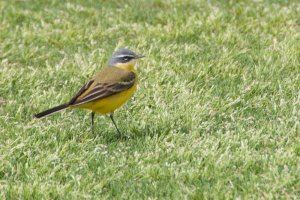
x,y
108,90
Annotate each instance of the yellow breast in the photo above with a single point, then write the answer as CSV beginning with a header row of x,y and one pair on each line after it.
x,y
111,103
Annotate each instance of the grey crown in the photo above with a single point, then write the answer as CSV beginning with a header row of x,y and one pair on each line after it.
x,y
122,55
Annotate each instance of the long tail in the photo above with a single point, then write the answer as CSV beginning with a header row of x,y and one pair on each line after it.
x,y
52,110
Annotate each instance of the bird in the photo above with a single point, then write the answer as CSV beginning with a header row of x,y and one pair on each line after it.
x,y
107,90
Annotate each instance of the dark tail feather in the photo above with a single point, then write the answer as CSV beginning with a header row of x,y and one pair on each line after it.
x,y
51,111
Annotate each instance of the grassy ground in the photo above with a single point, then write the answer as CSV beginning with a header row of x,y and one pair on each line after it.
x,y
216,115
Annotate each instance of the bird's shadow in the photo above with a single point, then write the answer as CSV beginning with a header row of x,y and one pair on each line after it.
x,y
138,131
131,134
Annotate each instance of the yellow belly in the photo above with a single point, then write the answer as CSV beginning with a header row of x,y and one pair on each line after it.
x,y
111,103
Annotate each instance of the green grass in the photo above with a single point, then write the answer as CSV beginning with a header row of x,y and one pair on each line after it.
x,y
216,114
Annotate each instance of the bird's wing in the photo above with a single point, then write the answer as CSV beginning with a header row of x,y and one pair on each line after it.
x,y
81,91
107,83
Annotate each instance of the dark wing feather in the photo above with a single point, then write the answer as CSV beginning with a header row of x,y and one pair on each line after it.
x,y
80,92
102,90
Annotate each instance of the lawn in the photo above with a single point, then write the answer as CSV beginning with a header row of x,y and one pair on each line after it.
x,y
216,114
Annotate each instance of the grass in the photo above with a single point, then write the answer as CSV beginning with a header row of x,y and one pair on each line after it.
x,y
216,114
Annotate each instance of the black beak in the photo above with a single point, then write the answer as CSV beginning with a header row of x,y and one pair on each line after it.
x,y
139,56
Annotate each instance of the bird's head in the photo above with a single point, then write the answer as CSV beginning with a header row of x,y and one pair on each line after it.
x,y
124,58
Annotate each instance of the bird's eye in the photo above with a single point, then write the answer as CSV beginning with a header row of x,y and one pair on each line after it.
x,y
126,58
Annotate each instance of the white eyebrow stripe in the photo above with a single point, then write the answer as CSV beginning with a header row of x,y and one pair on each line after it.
x,y
124,55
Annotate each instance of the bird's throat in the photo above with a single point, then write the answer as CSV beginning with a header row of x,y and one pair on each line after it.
x,y
128,66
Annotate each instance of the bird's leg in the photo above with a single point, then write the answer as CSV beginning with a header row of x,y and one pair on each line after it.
x,y
92,118
112,119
